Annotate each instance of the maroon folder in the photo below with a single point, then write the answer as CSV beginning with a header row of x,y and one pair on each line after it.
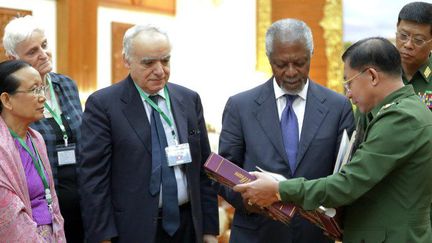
x,y
229,174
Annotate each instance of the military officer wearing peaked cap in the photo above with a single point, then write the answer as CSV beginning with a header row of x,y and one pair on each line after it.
x,y
386,186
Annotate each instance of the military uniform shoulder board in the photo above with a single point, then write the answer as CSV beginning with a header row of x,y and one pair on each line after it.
x,y
427,72
385,107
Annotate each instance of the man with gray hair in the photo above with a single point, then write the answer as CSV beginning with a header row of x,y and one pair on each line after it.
x,y
289,125
385,187
144,144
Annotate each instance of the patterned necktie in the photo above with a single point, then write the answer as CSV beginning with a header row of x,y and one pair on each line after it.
x,y
162,172
290,131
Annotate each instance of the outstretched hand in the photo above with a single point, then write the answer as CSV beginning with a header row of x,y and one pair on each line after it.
x,y
261,191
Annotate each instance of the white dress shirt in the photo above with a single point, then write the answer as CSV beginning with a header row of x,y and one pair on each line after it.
x,y
299,104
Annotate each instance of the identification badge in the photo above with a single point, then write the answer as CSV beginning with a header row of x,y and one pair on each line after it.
x,y
178,154
66,155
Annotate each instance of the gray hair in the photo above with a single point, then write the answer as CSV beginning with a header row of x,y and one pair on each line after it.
x,y
288,30
18,30
132,32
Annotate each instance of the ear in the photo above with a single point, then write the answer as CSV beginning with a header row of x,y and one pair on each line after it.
x,y
375,78
126,62
429,44
12,57
5,100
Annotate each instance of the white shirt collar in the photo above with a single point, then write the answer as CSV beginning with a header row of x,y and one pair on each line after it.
x,y
280,92
160,92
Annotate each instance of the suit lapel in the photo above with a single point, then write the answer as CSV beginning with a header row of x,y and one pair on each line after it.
x,y
266,112
315,113
135,113
179,113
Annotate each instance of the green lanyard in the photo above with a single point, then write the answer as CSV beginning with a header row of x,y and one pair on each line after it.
x,y
38,165
56,116
156,107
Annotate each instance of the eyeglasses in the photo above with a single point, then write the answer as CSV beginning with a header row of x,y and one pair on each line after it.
x,y
347,83
417,41
37,91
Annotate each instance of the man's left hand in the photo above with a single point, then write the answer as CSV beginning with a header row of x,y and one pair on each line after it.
x,y
210,239
261,191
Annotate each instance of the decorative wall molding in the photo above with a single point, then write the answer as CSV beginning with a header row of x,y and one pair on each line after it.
x,y
333,34
264,20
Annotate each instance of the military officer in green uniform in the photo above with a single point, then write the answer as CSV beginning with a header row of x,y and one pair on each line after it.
x,y
414,42
386,187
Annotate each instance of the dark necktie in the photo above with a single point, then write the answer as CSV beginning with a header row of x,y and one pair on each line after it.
x,y
290,131
162,172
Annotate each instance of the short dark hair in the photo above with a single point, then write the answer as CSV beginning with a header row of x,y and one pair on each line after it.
x,y
376,52
419,12
8,82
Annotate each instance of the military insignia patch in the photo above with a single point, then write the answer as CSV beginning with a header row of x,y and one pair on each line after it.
x,y
427,72
426,98
384,107
387,106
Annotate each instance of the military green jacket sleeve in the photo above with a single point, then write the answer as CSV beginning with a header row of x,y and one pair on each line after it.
x,y
386,184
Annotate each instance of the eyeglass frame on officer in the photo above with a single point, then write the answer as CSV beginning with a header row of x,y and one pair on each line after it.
x,y
347,83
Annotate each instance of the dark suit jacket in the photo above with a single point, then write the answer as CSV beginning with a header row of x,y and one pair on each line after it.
x,y
115,167
251,136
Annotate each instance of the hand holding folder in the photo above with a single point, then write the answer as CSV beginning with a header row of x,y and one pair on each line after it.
x,y
328,219
229,174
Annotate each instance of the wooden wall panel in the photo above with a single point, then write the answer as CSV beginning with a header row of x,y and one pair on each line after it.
x,y
311,12
159,6
118,70
6,14
76,41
